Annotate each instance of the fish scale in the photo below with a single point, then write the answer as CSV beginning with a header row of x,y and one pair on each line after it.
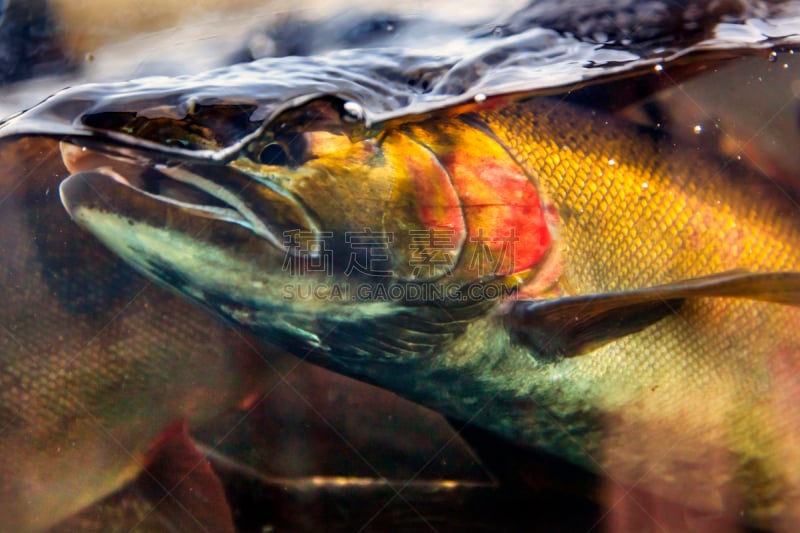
x,y
717,364
680,187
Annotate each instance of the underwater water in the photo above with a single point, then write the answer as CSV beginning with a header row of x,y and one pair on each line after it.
x,y
99,364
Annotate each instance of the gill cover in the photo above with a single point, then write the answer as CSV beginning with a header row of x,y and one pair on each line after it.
x,y
453,204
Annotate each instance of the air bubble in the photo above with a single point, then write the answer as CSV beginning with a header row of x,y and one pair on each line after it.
x,y
352,112
480,97
659,68
698,129
773,56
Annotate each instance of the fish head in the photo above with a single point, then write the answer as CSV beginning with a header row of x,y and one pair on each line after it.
x,y
313,227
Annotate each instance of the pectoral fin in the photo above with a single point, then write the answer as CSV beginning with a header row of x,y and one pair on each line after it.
x,y
566,327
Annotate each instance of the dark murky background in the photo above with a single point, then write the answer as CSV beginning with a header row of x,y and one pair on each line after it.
x,y
326,452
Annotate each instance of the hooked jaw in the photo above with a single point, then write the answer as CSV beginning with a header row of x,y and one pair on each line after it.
x,y
219,193
220,232
134,175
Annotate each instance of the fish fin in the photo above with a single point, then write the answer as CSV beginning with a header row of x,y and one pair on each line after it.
x,y
177,492
187,492
566,327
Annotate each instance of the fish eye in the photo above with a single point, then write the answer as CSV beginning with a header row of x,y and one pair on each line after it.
x,y
283,150
275,154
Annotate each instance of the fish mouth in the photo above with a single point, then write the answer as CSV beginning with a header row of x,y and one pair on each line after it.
x,y
126,183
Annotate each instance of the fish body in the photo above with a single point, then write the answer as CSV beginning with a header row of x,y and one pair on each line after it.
x,y
96,363
594,290
712,384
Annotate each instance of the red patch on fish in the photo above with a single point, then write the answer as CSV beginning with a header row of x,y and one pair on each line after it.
x,y
505,220
502,208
